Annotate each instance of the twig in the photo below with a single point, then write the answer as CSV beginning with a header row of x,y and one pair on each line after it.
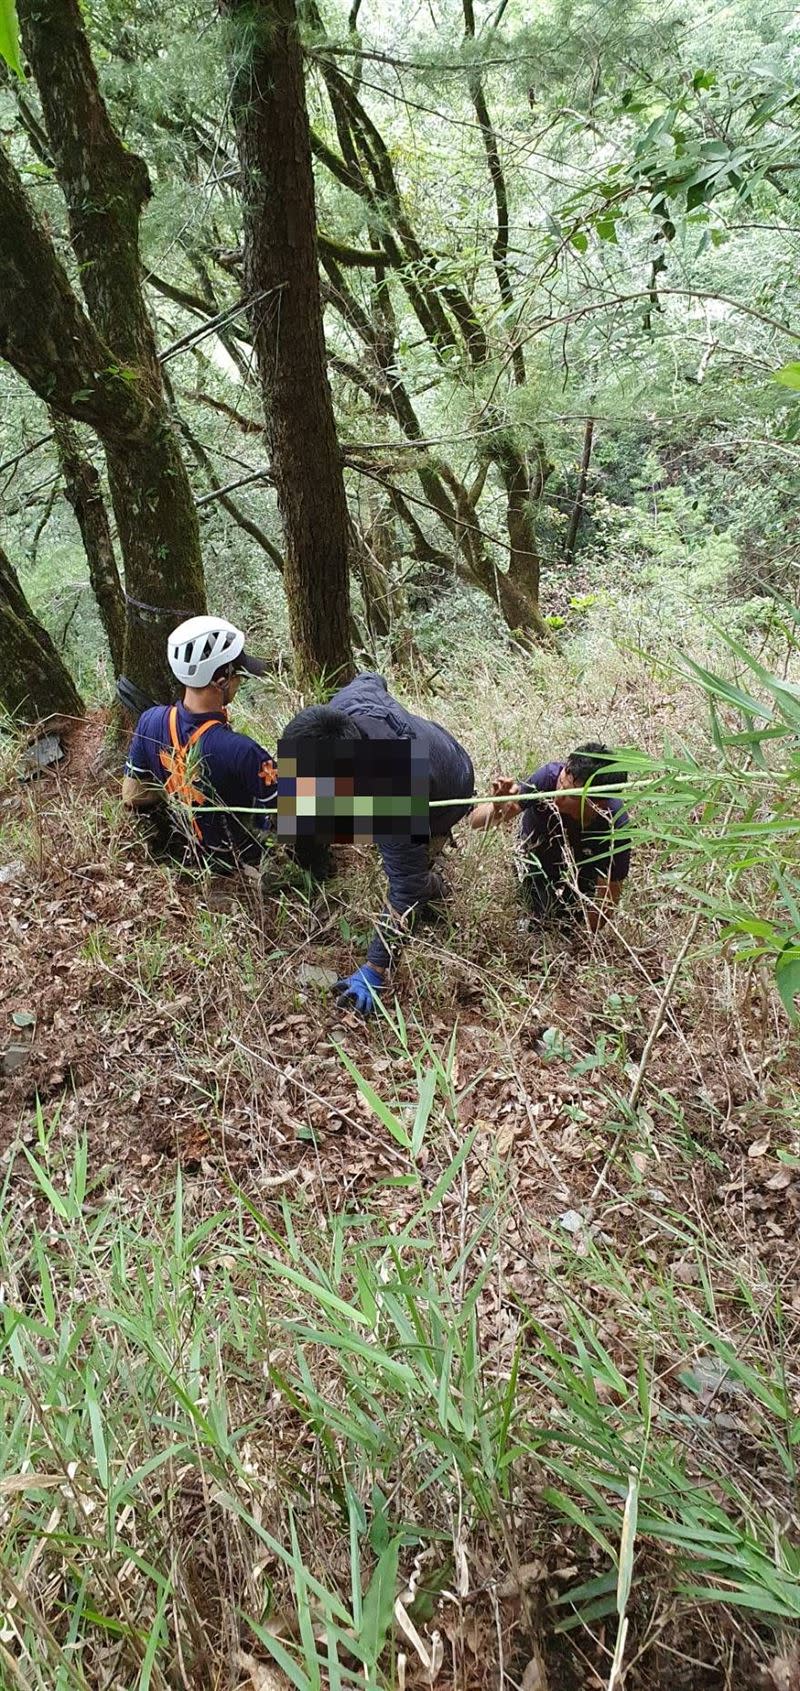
x,y
658,1019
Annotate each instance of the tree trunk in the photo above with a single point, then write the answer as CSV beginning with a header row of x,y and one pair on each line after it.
x,y
45,333
105,187
577,509
281,275
85,495
34,681
497,174
522,580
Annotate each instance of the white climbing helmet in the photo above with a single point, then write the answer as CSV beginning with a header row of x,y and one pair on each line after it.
x,y
201,646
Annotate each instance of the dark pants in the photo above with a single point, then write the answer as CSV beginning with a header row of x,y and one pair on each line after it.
x,y
546,891
169,842
316,858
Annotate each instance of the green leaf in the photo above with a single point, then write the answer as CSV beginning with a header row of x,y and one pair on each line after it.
x,y
155,1638
579,240
747,1597
376,1104
54,1198
304,1616
788,375
316,1289
606,227
9,37
787,980
378,1608
98,1437
280,1654
427,1092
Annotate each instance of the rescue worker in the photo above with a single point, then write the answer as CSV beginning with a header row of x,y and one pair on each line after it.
x,y
189,754
573,851
365,710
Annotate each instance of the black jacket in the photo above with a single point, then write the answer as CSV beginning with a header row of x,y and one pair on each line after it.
x,y
407,863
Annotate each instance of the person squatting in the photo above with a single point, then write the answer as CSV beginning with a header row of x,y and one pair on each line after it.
x,y
364,767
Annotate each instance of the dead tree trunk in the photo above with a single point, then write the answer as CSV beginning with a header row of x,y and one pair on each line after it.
x,y
34,680
282,278
84,492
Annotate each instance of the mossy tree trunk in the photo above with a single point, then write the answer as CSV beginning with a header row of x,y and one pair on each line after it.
x,y
46,334
282,280
519,586
84,492
106,187
34,680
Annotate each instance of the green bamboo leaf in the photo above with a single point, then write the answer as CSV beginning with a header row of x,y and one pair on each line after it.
x,y
304,1615
54,1198
787,980
427,1093
316,1290
155,1638
627,1544
98,1437
280,1654
747,1597
559,1500
378,1606
9,38
376,1104
451,1173
788,375
730,695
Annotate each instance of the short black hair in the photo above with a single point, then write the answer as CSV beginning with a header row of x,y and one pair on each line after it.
x,y
594,762
321,722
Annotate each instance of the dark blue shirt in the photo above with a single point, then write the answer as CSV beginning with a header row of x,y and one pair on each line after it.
x,y
223,768
600,847
406,862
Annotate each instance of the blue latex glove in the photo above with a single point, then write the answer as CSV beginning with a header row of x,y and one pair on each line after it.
x,y
357,991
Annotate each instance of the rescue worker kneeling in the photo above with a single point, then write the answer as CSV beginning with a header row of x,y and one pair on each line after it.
x,y
365,710
222,784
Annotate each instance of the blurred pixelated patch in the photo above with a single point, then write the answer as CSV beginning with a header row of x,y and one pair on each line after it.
x,y
352,790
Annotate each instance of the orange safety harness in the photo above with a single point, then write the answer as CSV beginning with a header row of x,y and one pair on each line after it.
x,y
179,784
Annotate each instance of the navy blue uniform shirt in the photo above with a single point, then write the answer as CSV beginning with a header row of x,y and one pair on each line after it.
x,y
223,768
600,848
407,863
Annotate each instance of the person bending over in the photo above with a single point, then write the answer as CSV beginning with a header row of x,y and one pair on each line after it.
x,y
189,754
573,850
365,710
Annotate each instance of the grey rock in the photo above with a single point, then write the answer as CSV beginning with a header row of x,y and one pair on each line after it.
x,y
311,974
44,752
14,1058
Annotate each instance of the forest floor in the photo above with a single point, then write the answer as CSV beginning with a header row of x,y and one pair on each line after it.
x,y
654,1229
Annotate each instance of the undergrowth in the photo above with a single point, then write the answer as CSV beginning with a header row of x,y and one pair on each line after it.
x,y
340,1444
458,1350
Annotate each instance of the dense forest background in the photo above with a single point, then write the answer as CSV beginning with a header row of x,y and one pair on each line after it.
x,y
459,341
528,228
